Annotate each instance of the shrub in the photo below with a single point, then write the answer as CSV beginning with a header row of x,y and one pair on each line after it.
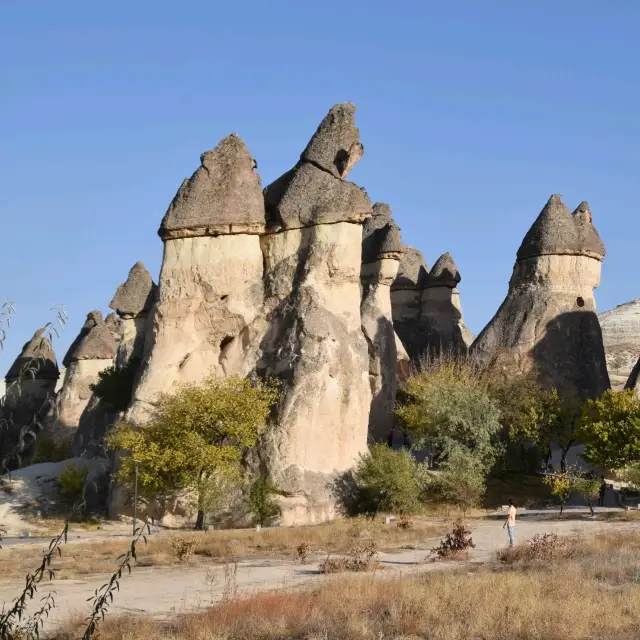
x,y
387,480
455,545
72,480
48,450
365,558
260,500
115,386
184,548
541,548
303,550
461,481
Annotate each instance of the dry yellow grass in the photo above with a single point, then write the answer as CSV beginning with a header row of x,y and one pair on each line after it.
x,y
594,595
85,558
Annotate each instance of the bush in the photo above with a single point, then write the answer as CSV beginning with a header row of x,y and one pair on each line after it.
x,y
115,386
183,548
365,558
72,480
47,450
461,481
261,502
541,548
455,545
387,480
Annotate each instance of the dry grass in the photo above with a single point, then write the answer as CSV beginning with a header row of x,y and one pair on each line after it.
x,y
594,595
85,558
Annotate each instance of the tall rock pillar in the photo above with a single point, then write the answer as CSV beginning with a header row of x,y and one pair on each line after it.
x,y
381,252
548,320
315,342
210,294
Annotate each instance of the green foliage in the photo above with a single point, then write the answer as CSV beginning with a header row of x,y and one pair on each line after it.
x,y
610,427
115,386
551,419
447,406
388,480
572,480
260,500
560,485
631,475
72,480
48,450
462,479
200,432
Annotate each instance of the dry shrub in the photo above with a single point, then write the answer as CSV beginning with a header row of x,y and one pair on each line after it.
x,y
455,545
541,548
562,600
184,548
303,551
404,523
365,558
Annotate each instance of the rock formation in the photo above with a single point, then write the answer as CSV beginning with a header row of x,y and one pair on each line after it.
x,y
382,250
90,353
210,295
315,342
621,337
547,321
132,302
426,307
30,388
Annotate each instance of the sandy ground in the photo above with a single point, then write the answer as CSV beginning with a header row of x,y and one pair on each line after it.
x,y
164,591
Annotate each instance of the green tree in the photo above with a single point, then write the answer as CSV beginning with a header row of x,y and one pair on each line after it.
x,y
261,500
115,385
199,432
560,485
448,406
572,480
461,480
388,480
552,419
610,428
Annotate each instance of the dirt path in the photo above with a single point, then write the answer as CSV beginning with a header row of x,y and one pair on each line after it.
x,y
164,591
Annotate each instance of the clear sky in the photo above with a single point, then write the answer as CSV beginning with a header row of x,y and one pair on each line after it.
x,y
471,113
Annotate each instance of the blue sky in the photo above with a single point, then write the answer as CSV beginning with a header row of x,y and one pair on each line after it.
x,y
471,114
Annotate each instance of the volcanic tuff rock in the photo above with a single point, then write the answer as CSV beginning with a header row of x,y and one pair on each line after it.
x,y
207,314
547,321
382,250
621,337
91,352
426,307
30,389
315,342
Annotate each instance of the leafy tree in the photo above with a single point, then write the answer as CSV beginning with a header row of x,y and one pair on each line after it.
x,y
560,485
552,419
388,480
199,432
448,406
618,362
72,480
461,480
588,487
610,427
260,500
572,480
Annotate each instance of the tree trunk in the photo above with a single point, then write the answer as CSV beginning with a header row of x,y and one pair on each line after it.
x,y
561,507
200,520
590,506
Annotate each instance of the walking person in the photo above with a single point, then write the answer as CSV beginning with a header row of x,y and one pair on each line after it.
x,y
511,523
603,491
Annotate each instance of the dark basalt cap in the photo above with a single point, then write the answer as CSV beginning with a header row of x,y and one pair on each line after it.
x,y
39,357
335,146
135,296
557,231
444,273
223,196
413,271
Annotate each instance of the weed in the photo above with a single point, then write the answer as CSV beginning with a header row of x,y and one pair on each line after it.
x,y
455,545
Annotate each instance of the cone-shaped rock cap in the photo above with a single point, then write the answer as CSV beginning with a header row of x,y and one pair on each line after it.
x,y
314,191
412,272
93,319
444,273
135,296
38,357
381,236
222,196
94,342
557,231
335,146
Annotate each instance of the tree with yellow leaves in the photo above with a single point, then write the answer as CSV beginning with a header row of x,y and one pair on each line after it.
x,y
200,433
